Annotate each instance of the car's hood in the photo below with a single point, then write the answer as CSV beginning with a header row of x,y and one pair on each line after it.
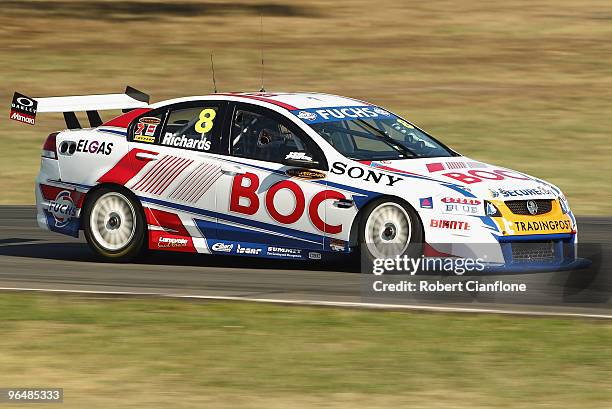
x,y
478,178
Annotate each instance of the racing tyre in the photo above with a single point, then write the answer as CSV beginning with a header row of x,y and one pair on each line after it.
x,y
114,225
388,229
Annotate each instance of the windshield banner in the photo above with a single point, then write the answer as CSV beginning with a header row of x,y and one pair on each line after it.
x,y
345,113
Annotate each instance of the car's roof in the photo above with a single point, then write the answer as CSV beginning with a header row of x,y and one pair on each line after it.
x,y
288,100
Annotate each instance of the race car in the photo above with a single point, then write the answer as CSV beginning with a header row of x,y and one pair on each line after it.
x,y
283,175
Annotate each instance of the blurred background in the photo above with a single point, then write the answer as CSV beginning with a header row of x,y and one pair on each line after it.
x,y
523,84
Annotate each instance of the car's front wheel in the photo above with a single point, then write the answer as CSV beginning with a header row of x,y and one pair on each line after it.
x,y
390,228
114,225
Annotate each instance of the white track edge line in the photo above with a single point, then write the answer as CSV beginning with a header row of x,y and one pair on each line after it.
x,y
323,303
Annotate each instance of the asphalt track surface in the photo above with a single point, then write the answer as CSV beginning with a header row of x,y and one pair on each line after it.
x,y
32,259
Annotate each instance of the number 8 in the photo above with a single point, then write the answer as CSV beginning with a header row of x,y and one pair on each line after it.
x,y
205,123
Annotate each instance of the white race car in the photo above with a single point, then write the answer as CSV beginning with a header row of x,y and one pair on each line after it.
x,y
282,175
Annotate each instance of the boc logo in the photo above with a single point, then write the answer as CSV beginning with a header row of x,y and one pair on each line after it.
x,y
63,209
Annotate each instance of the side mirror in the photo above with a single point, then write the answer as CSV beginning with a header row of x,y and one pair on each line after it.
x,y
299,160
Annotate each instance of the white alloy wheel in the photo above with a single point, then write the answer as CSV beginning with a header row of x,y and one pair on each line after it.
x,y
388,230
113,221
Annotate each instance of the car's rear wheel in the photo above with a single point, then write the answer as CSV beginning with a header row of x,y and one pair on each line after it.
x,y
114,225
390,228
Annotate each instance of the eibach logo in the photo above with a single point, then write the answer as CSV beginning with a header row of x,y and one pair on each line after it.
x,y
62,208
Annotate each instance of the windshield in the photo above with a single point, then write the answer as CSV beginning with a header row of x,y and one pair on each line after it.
x,y
371,133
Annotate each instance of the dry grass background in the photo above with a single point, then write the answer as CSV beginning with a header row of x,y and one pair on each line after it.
x,y
151,353
524,84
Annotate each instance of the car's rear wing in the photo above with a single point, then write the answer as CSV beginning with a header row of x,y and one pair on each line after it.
x,y
24,108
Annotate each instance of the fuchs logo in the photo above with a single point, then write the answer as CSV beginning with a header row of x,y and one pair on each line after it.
x,y
171,242
222,247
62,208
23,109
309,116
461,200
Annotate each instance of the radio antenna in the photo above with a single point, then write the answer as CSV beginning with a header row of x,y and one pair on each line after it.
x,y
212,66
262,53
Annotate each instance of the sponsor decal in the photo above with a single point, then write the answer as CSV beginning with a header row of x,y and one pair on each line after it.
x,y
298,156
62,208
314,255
469,210
247,250
368,175
461,200
438,166
450,224
94,147
426,203
542,226
337,245
150,120
476,175
166,242
222,247
182,141
462,205
245,186
403,124
145,129
303,173
144,138
492,210
328,114
23,109
539,191
308,116
284,252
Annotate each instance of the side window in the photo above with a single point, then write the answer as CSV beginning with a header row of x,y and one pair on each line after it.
x,y
257,136
147,128
195,128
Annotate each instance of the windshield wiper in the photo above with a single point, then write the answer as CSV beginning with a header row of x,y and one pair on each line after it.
x,y
388,139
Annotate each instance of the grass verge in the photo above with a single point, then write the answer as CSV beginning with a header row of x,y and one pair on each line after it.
x,y
160,353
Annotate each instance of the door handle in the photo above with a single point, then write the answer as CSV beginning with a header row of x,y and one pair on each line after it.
x,y
232,170
145,156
